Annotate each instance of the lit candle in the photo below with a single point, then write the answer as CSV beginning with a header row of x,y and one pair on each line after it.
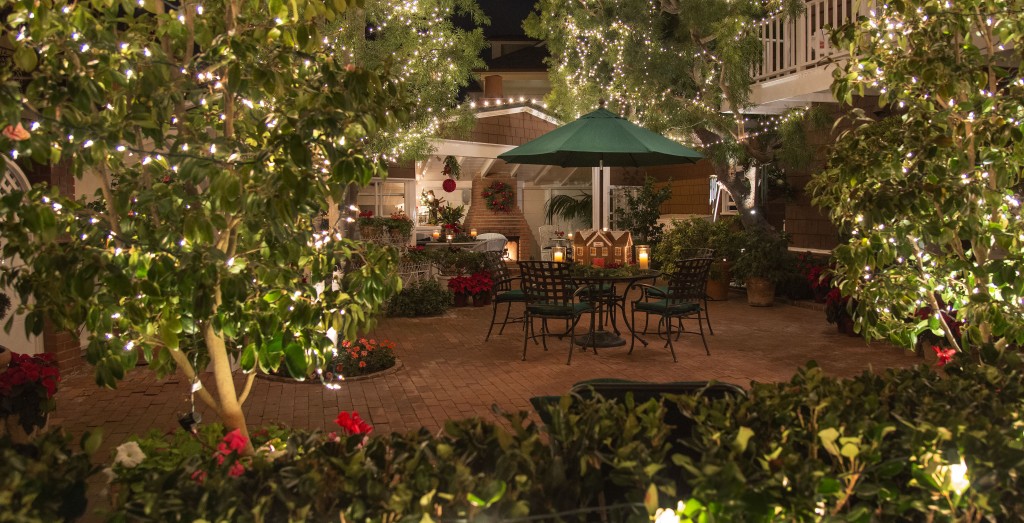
x,y
450,237
643,254
569,236
472,233
558,254
436,234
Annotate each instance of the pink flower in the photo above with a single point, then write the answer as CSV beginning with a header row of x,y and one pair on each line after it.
x,y
16,132
944,355
199,476
352,424
237,469
333,437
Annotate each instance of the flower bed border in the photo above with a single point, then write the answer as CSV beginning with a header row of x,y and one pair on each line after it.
x,y
386,372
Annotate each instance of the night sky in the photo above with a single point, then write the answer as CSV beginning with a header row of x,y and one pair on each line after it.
x,y
506,16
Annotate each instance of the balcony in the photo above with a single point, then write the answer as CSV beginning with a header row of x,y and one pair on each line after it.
x,y
796,65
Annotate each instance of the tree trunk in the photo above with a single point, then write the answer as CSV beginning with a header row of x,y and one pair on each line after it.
x,y
750,213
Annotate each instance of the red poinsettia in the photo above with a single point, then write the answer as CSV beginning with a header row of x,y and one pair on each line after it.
x,y
352,424
27,388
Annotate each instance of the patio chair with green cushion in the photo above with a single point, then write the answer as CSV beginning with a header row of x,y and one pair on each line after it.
x,y
507,291
660,291
549,295
683,299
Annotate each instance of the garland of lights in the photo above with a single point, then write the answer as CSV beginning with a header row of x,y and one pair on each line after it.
x,y
499,197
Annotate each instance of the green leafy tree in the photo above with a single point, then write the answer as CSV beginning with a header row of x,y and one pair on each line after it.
x,y
227,127
419,43
930,196
642,213
672,66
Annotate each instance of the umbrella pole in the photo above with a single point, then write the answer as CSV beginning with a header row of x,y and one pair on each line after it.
x,y
597,187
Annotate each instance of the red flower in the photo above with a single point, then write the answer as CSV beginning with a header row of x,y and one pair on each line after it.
x,y
237,469
199,476
366,214
362,364
944,355
352,424
234,441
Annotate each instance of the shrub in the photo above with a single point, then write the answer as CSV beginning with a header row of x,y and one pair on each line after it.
x,y
45,480
698,233
597,452
424,298
903,445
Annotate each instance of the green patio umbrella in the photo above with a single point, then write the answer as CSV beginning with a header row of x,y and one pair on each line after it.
x,y
601,139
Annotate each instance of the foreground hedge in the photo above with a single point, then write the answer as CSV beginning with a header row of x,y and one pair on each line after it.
x,y
902,445
45,480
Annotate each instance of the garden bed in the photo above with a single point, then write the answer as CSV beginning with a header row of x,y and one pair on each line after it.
x,y
287,379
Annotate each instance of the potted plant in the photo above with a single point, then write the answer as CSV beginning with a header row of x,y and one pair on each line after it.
x,y
699,233
460,287
837,311
763,262
399,226
27,387
480,287
369,225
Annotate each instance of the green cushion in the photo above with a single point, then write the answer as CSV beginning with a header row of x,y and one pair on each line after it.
x,y
663,307
512,295
557,309
658,291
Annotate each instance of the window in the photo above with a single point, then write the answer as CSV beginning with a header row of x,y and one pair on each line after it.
x,y
618,252
382,197
728,204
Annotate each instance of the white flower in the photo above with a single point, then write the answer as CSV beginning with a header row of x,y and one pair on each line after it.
x,y
129,455
666,515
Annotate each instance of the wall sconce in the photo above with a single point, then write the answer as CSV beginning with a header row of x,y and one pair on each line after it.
x,y
643,256
558,254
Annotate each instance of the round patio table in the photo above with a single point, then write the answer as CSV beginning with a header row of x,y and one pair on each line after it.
x,y
611,298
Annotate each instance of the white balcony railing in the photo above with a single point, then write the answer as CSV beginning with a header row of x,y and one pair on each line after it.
x,y
795,45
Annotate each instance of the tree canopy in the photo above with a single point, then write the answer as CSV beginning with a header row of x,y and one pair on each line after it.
x,y
930,195
671,66
420,44
220,131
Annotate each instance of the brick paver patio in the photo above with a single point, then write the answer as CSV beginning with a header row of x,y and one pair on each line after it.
x,y
448,372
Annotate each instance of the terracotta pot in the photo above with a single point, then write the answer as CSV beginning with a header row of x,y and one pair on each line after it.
x,y
12,427
717,287
760,292
479,300
461,300
717,290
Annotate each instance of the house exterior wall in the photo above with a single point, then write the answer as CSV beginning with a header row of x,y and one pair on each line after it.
x,y
64,345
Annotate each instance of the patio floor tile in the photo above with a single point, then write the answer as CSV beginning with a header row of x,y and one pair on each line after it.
x,y
449,372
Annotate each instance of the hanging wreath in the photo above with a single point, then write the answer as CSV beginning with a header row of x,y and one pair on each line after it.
x,y
451,167
499,197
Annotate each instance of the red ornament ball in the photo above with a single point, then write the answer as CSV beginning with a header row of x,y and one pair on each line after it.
x,y
448,185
